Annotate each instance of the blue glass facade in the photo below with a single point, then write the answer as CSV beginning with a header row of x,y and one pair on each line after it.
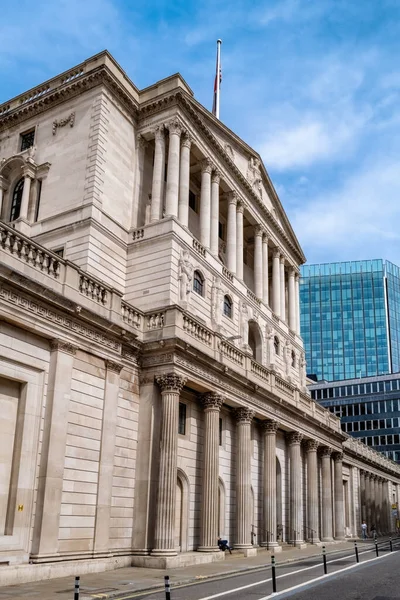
x,y
350,319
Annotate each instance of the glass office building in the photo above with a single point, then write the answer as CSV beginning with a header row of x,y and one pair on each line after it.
x,y
350,319
369,409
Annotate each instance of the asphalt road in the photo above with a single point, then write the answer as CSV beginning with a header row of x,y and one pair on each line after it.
x,y
372,579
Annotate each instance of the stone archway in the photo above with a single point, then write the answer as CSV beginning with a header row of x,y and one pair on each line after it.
x,y
255,341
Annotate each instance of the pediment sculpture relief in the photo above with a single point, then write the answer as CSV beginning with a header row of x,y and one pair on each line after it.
x,y
185,276
254,175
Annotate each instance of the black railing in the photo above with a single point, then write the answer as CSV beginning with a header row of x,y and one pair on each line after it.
x,y
265,536
309,534
288,535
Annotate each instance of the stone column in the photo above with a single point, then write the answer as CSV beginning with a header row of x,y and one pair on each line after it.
x,y
269,488
212,402
283,289
379,496
265,296
362,496
214,242
171,386
172,195
3,188
158,175
239,240
276,283
368,499
184,180
292,302
312,490
386,507
51,472
28,176
107,456
205,202
297,296
339,504
244,511
373,506
231,233
141,145
326,494
296,508
258,266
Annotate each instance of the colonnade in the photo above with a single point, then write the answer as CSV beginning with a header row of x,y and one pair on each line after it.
x,y
171,385
375,509
285,277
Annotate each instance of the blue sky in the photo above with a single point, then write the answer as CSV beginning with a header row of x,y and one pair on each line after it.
x,y
314,86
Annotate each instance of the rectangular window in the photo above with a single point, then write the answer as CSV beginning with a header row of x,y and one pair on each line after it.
x,y
221,231
220,432
27,140
39,193
182,419
192,201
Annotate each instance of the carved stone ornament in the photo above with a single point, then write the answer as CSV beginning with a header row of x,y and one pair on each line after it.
x,y
244,415
174,127
114,366
270,426
63,122
254,175
212,401
141,141
240,206
294,437
63,347
171,382
232,197
159,133
325,451
311,445
185,276
186,141
216,176
230,151
206,165
338,456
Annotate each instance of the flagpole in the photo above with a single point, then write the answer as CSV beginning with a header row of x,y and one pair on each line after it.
x,y
219,42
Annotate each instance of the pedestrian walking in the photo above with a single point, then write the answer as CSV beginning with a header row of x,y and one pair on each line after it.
x,y
364,530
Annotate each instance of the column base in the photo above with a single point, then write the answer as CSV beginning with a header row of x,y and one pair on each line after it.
x,y
243,546
327,539
340,538
163,553
272,546
208,549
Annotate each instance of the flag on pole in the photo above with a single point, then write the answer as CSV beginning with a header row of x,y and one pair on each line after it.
x,y
217,81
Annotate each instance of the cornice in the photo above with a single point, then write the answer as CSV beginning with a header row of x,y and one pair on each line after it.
x,y
54,97
182,99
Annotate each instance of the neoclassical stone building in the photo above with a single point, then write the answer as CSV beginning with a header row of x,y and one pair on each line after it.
x,y
152,376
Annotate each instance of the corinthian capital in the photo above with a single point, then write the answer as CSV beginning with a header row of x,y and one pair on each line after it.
x,y
212,401
171,382
294,437
62,346
270,426
244,415
186,141
338,456
311,445
174,127
232,198
325,451
141,142
159,133
206,165
114,366
216,176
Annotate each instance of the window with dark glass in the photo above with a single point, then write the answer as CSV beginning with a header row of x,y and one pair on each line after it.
x,y
16,200
227,307
221,230
182,419
27,140
59,252
198,283
192,201
220,432
39,193
276,345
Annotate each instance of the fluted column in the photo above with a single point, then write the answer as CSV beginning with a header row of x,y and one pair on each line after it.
x,y
28,176
269,488
244,511
283,288
312,490
212,402
386,507
276,283
368,499
265,295
3,187
231,233
379,496
326,494
171,386
373,503
362,496
172,195
215,179
205,202
239,239
184,180
292,301
258,266
339,504
296,509
158,174
297,297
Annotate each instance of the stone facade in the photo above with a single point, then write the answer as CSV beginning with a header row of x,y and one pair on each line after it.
x,y
152,374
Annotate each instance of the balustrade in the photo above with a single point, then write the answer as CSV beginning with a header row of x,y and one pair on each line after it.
x,y
231,352
93,289
130,315
196,330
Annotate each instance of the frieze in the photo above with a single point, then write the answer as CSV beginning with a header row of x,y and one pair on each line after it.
x,y
159,359
55,317
130,354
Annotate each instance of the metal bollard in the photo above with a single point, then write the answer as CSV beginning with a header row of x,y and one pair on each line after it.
x,y
167,588
356,551
76,591
324,559
376,548
391,545
273,568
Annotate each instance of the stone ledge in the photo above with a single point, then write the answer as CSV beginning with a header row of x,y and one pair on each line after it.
x,y
180,560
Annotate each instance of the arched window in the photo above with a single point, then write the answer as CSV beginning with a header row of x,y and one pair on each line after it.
x,y
293,358
16,200
227,307
276,344
198,283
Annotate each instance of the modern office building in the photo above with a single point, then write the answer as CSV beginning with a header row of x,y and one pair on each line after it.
x,y
350,319
369,409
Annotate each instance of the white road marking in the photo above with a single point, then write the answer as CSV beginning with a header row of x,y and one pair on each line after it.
x,y
250,585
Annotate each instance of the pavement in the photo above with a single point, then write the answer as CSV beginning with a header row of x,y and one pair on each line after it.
x,y
120,582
